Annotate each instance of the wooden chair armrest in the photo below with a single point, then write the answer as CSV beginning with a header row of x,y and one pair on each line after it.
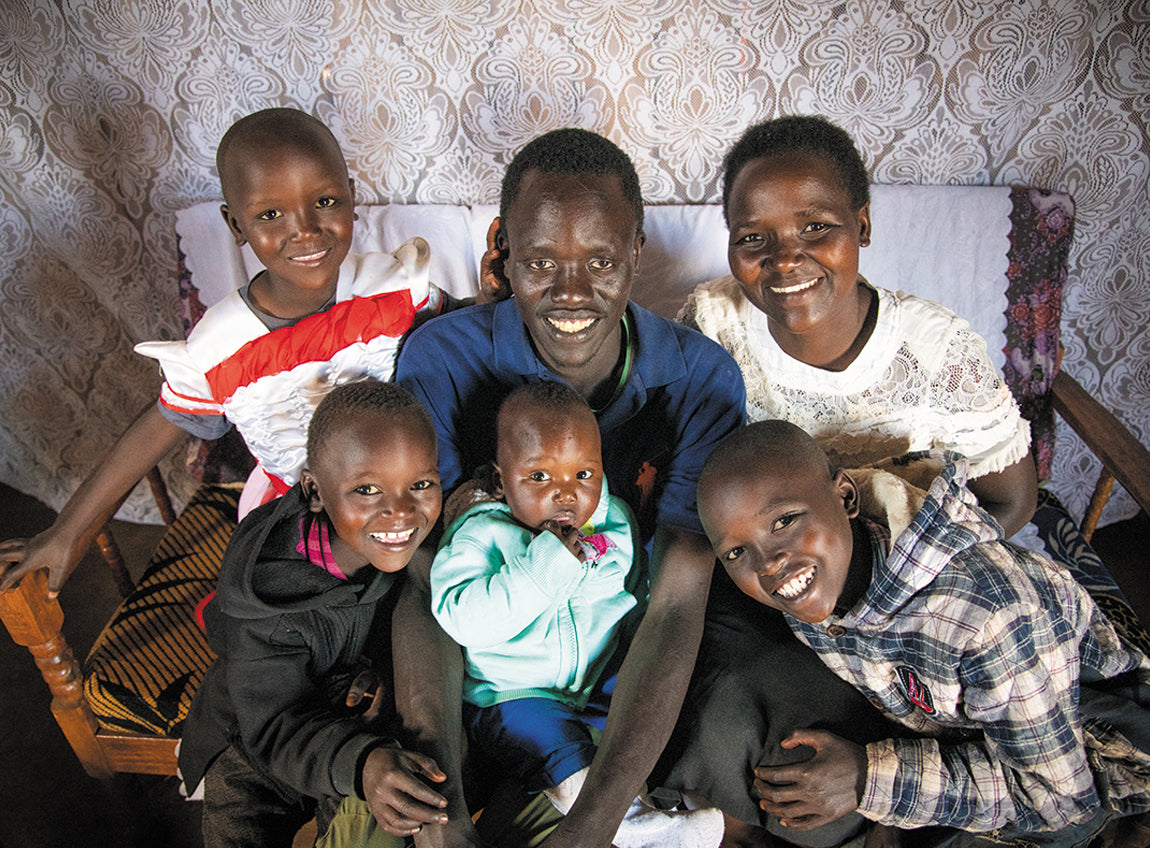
x,y
1122,456
34,621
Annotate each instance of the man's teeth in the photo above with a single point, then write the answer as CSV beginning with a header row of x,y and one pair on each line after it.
x,y
569,326
796,585
393,538
795,288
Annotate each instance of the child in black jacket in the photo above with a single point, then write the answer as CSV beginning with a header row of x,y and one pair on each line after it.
x,y
304,583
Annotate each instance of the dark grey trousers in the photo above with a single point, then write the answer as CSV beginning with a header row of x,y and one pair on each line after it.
x,y
754,684
244,808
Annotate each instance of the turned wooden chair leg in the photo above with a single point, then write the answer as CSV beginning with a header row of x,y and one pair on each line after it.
x,y
106,542
160,493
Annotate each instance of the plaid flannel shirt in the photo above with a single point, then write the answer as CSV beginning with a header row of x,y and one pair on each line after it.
x,y
979,646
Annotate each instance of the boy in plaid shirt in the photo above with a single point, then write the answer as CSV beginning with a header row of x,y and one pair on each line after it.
x,y
1027,718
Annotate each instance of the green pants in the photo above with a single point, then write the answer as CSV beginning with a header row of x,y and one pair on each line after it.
x,y
511,818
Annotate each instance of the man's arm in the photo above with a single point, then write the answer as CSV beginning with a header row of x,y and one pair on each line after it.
x,y
429,697
61,546
650,690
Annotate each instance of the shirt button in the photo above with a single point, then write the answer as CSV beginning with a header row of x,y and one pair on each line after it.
x,y
875,701
836,630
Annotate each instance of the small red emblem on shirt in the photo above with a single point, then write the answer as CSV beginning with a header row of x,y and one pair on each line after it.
x,y
915,691
646,481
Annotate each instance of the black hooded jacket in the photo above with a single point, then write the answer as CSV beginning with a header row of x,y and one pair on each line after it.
x,y
281,628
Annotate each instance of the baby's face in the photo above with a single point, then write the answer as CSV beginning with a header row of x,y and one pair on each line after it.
x,y
794,240
378,482
550,468
783,535
294,205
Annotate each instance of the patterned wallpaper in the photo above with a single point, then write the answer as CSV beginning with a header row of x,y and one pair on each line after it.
x,y
112,109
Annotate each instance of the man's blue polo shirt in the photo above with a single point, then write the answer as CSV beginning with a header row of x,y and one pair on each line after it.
x,y
684,394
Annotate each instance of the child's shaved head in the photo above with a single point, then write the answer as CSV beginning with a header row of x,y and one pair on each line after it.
x,y
765,444
548,398
365,398
371,468
548,456
274,128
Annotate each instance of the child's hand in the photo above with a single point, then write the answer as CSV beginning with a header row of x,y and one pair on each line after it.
x,y
367,685
396,794
568,535
359,689
810,794
493,283
44,550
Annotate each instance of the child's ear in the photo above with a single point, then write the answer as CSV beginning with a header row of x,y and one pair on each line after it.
x,y
864,224
351,188
848,491
311,491
233,226
496,482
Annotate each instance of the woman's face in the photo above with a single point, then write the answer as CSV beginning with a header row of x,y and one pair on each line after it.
x,y
794,240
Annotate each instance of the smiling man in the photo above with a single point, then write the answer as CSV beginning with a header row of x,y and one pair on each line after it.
x,y
572,233
664,396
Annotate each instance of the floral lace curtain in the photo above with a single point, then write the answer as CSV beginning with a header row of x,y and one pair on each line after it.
x,y
112,109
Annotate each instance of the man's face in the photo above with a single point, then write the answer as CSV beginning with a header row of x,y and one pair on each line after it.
x,y
573,252
783,534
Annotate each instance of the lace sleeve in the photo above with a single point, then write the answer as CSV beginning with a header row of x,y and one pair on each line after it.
x,y
978,416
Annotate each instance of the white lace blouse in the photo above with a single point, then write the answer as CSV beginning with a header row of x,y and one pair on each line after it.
x,y
923,380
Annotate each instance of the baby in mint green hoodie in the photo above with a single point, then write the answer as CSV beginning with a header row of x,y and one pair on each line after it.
x,y
539,587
